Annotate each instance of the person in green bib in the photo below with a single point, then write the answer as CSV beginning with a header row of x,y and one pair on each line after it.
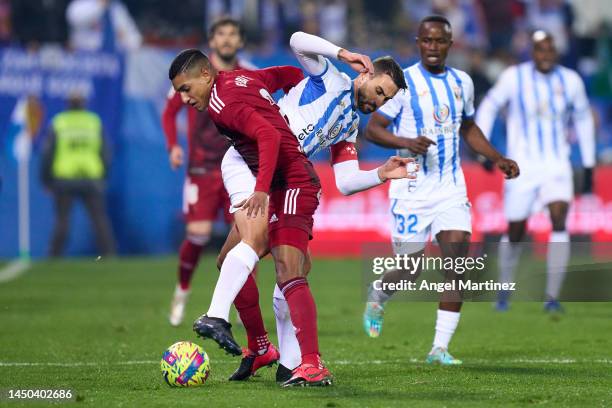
x,y
74,162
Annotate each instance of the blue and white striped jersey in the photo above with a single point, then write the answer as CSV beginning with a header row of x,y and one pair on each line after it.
x,y
539,109
433,106
322,110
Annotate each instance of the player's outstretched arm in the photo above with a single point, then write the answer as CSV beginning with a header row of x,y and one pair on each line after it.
x,y
309,50
398,168
476,140
350,179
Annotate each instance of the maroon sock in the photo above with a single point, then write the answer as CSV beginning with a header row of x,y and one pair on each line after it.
x,y
189,255
247,304
304,317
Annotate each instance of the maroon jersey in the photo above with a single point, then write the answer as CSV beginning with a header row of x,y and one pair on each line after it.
x,y
205,146
242,107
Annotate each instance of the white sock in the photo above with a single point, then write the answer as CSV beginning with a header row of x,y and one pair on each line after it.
x,y
377,295
509,257
556,262
236,268
289,348
181,294
445,328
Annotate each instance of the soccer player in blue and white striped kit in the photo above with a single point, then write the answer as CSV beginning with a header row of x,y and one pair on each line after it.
x,y
542,97
426,122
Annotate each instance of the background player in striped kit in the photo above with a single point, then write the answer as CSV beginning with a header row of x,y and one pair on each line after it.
x,y
426,122
541,97
203,192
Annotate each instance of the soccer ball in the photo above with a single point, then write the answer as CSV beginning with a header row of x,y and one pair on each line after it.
x,y
185,364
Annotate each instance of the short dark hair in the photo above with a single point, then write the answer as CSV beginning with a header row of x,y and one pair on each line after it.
x,y
186,60
223,21
436,19
387,65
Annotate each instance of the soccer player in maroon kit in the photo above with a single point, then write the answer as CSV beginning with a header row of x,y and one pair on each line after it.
x,y
203,192
241,105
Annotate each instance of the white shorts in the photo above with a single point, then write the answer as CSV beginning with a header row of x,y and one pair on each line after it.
x,y
534,189
415,221
238,179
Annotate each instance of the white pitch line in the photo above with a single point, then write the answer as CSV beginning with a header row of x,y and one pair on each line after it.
x,y
331,363
14,270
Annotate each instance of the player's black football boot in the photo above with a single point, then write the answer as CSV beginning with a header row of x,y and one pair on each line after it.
x,y
252,362
283,374
218,330
243,372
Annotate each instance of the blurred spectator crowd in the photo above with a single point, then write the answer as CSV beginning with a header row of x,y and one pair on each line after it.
x,y
495,28
492,31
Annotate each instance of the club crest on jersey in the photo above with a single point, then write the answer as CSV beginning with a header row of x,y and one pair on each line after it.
x,y
441,113
242,80
335,130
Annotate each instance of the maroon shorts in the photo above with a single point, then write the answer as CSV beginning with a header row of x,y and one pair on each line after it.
x,y
291,216
203,196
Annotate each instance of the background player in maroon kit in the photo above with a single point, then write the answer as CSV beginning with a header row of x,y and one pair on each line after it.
x,y
241,105
203,193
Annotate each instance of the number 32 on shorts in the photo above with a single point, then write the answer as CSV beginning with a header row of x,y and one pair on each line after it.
x,y
405,224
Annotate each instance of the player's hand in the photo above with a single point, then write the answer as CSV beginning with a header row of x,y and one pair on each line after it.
x,y
419,145
398,168
258,201
359,62
176,156
508,167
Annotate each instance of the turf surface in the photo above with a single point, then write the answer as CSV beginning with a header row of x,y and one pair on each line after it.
x,y
99,328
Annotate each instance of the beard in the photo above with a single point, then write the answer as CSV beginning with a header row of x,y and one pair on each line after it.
x,y
363,104
227,57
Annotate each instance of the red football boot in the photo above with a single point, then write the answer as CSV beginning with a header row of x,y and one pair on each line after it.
x,y
309,375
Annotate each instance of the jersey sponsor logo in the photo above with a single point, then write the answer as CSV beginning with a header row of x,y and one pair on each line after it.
x,y
441,113
305,131
273,218
442,130
242,81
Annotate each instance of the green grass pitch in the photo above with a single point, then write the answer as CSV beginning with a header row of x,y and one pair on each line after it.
x,y
99,328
